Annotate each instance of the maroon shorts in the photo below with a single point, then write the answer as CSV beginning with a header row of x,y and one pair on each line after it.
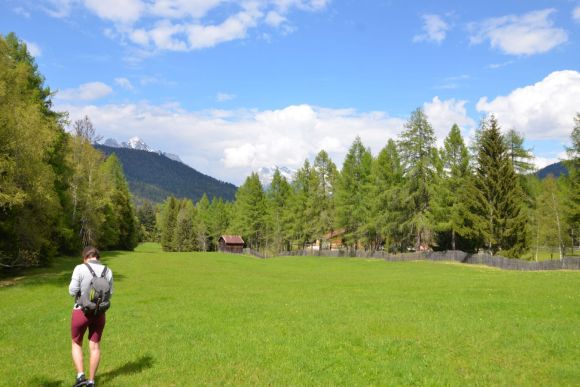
x,y
80,323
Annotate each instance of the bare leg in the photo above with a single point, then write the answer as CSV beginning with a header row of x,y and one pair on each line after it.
x,y
95,359
77,355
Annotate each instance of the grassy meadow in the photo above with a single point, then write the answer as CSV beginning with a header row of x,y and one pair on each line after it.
x,y
215,319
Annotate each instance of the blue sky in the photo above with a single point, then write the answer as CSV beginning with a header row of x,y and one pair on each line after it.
x,y
231,86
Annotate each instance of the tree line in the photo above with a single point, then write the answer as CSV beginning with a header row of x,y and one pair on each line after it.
x,y
412,195
57,192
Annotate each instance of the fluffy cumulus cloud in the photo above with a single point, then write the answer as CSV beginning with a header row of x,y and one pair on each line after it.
x,y
229,144
186,25
528,34
85,92
443,114
542,110
434,29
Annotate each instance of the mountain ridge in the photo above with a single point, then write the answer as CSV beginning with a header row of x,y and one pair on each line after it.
x,y
153,176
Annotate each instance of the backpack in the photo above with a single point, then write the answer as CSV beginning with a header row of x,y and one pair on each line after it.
x,y
95,297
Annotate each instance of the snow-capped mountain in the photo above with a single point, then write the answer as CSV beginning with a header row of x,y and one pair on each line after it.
x,y
266,174
139,144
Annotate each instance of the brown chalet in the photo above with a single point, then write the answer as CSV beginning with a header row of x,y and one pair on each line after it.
x,y
231,244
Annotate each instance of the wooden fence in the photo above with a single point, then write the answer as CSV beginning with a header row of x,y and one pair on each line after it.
x,y
568,263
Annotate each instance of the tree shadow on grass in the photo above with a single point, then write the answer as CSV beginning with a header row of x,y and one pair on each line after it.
x,y
58,273
130,368
46,382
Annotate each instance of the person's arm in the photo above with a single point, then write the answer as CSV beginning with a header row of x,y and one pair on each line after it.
x,y
74,289
110,275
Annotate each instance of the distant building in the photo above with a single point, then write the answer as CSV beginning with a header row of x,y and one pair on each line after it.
x,y
231,244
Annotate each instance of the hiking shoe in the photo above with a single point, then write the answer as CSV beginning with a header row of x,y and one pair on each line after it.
x,y
80,381
90,384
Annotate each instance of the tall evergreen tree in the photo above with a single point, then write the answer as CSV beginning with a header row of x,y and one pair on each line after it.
x,y
387,197
118,199
168,219
498,199
303,205
352,194
31,156
419,157
572,201
184,235
447,202
323,195
278,199
250,211
146,216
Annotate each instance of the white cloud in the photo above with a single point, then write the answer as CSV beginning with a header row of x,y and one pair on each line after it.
x,y
229,144
434,29
187,25
542,110
177,9
576,13
59,8
124,83
528,34
223,97
33,49
443,114
22,12
274,19
85,92
125,11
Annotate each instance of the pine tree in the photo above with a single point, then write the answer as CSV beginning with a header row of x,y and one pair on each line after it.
x,y
499,200
352,194
418,156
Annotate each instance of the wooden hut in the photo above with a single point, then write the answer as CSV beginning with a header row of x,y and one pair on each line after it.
x,y
231,244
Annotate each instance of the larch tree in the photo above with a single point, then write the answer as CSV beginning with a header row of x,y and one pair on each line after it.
x,y
419,158
352,194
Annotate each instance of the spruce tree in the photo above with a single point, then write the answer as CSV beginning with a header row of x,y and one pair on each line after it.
x,y
499,202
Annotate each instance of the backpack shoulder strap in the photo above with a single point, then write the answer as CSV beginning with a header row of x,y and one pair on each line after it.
x,y
104,273
91,269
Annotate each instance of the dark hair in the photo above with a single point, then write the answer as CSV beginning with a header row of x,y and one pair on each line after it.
x,y
91,252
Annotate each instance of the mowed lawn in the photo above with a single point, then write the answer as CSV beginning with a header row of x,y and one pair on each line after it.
x,y
215,319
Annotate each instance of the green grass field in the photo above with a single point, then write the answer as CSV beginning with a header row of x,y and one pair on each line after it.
x,y
214,319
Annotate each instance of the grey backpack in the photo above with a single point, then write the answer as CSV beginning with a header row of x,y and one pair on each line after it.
x,y
95,298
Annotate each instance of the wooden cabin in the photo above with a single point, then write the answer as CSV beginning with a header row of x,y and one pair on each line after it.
x,y
231,244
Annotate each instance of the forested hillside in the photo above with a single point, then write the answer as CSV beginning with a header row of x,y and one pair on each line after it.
x,y
556,170
154,177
